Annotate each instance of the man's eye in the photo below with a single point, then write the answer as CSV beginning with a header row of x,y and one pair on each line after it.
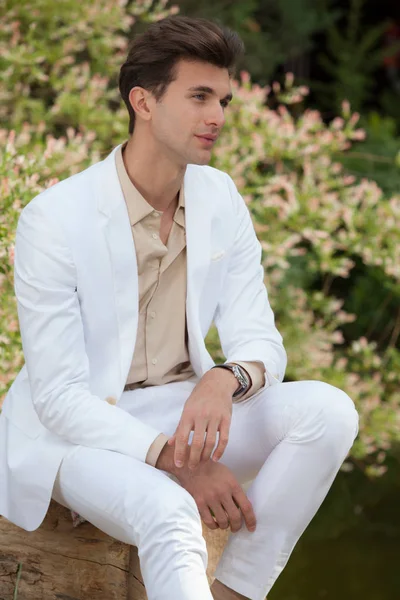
x,y
202,96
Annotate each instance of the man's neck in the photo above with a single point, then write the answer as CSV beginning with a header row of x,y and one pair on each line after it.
x,y
153,175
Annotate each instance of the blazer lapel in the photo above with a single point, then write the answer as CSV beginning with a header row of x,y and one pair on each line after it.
x,y
118,235
198,213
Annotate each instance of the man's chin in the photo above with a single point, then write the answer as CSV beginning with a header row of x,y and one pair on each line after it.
x,y
201,160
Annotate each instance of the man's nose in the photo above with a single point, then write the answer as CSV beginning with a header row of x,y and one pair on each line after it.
x,y
217,117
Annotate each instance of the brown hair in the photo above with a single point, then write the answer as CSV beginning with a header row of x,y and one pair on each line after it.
x,y
153,55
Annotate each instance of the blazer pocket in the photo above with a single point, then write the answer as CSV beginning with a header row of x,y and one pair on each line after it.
x,y
19,410
217,255
28,428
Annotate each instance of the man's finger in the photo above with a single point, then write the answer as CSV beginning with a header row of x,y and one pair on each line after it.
x,y
233,512
220,515
182,438
246,507
223,439
211,438
197,444
208,517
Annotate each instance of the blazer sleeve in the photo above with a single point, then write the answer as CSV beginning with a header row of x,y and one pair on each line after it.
x,y
244,318
54,347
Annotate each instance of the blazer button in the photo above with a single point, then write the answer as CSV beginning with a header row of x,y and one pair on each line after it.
x,y
111,400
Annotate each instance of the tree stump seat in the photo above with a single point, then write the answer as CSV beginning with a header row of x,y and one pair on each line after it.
x,y
62,562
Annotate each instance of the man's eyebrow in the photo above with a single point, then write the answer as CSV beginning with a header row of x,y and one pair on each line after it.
x,y
208,90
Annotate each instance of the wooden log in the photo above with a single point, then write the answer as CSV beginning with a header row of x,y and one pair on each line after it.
x,y
60,562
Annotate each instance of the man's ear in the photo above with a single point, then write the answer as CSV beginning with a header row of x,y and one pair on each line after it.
x,y
140,100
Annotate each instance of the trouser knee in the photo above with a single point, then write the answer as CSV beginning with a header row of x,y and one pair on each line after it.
x,y
339,415
327,417
171,520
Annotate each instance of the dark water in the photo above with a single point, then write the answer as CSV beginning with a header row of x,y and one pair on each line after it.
x,y
351,550
353,567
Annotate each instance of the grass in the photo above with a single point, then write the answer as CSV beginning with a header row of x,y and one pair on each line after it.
x,y
17,581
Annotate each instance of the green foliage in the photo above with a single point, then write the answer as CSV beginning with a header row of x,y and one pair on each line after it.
x,y
352,59
323,233
59,62
329,239
273,32
377,158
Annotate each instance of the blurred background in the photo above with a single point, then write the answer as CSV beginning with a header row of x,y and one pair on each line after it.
x,y
312,140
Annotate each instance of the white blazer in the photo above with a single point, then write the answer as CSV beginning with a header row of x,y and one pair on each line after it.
x,y
76,285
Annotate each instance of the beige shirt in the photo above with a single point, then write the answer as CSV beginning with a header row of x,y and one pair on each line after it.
x,y
161,350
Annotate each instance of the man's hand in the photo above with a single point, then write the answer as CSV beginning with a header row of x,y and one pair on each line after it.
x,y
218,494
207,410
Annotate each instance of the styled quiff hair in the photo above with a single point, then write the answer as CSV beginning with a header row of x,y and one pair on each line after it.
x,y
153,55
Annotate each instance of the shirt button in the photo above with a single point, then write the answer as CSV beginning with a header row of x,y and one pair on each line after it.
x,y
154,361
152,314
155,236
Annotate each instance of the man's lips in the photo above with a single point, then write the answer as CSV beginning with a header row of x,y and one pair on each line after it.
x,y
209,139
208,136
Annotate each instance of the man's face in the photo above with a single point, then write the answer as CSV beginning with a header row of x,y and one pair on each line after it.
x,y
192,106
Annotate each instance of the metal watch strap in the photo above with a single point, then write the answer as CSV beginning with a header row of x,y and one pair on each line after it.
x,y
241,376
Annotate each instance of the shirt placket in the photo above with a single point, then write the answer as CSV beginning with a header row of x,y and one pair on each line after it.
x,y
152,308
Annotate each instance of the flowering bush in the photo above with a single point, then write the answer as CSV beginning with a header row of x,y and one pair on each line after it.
x,y
59,65
320,230
331,244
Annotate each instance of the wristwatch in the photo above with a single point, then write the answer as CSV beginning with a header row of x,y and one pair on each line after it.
x,y
241,376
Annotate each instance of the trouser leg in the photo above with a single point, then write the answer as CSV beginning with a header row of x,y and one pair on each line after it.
x,y
140,505
290,441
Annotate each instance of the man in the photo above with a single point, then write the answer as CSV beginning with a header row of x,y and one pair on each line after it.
x,y
119,272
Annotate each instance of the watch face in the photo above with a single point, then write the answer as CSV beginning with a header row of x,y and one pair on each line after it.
x,y
242,380
241,376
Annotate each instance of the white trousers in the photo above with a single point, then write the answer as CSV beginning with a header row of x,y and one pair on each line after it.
x,y
289,442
